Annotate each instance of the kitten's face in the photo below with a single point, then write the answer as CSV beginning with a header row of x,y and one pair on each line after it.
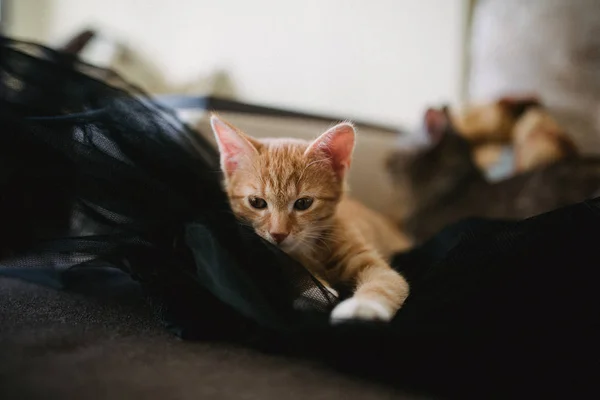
x,y
286,189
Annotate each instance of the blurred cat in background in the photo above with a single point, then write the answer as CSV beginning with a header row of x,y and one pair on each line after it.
x,y
520,123
488,126
292,192
439,183
493,121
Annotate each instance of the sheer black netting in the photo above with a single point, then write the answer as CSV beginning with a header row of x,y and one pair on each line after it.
x,y
94,174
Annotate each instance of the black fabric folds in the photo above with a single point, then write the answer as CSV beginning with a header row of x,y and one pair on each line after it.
x,y
94,174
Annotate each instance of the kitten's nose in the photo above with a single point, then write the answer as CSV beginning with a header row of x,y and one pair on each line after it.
x,y
278,237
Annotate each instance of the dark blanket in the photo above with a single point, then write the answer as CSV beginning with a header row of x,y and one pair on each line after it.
x,y
97,175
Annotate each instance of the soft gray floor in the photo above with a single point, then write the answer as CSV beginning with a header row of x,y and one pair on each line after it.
x,y
57,345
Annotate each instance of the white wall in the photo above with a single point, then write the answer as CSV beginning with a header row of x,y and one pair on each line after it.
x,y
380,60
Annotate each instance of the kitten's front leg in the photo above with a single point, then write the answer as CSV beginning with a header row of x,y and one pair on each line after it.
x,y
379,290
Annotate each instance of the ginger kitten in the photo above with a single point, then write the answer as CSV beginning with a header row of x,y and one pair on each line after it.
x,y
292,193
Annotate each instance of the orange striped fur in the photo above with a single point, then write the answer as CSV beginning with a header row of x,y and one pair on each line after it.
x,y
341,242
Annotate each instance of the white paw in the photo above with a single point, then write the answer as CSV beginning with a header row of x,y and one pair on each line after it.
x,y
361,309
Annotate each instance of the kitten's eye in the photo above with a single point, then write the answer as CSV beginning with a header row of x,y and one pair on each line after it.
x,y
257,202
303,203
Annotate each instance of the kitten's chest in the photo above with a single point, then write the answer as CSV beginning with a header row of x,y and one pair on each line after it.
x,y
326,269
316,259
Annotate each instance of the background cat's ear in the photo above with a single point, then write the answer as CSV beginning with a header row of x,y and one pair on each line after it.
x,y
435,122
337,144
234,146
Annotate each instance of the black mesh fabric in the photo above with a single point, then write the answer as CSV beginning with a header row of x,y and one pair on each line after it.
x,y
95,174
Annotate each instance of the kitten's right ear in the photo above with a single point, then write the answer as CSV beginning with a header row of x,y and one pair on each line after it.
x,y
234,147
337,144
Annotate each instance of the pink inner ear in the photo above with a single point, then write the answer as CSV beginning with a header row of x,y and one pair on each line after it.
x,y
232,146
230,155
337,143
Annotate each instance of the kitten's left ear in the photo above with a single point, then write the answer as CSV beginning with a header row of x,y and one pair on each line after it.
x,y
337,144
